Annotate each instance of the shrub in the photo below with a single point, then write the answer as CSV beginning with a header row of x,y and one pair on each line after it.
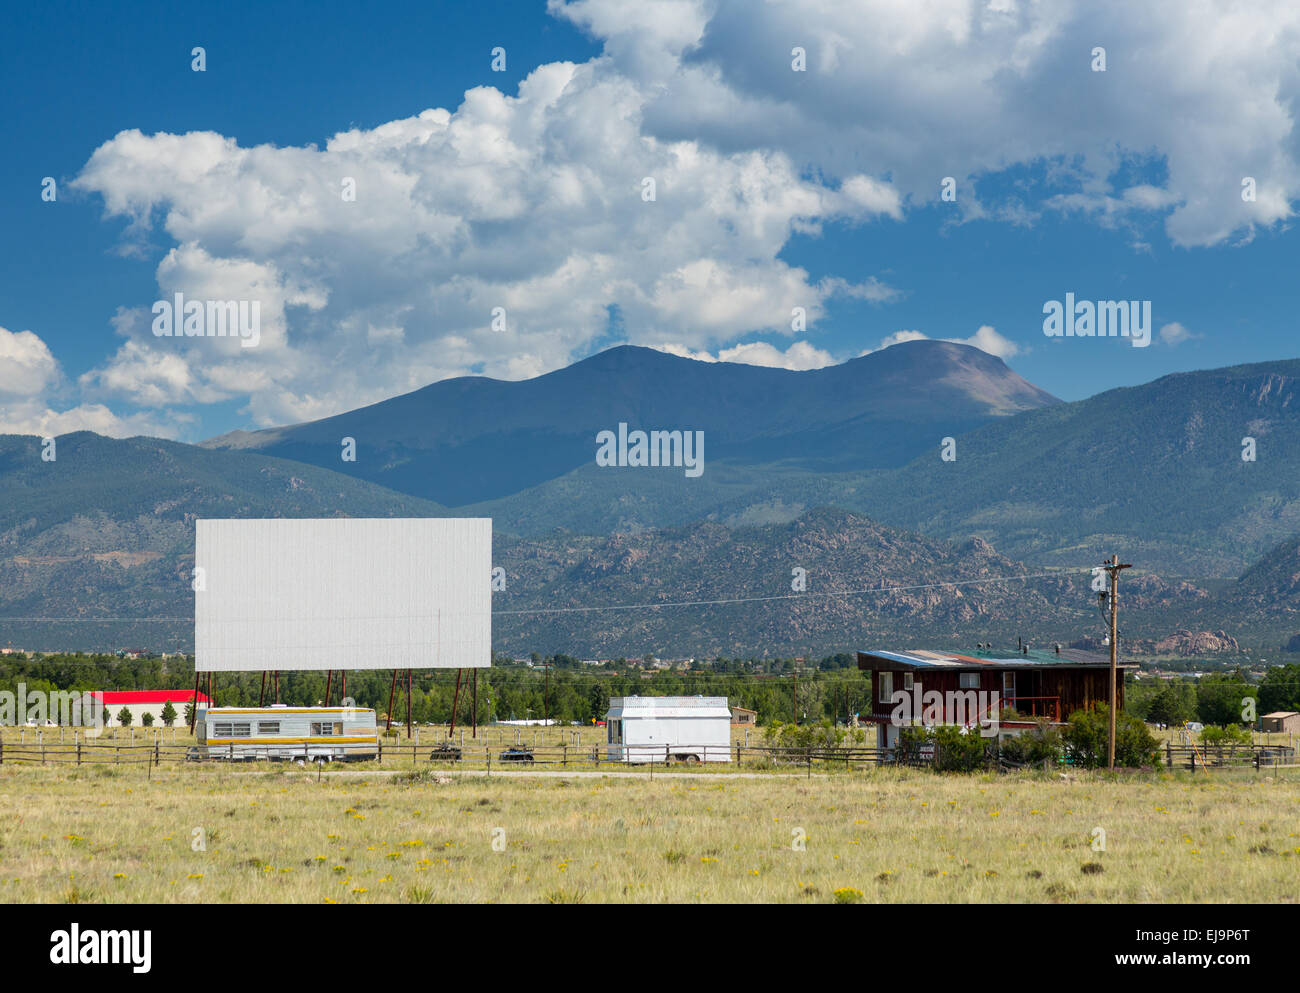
x,y
124,717
956,749
147,719
959,750
1042,743
1086,739
1229,734
818,735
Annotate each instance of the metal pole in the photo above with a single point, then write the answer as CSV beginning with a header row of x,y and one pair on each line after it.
x,y
796,699
408,703
1113,567
455,702
474,734
392,692
194,702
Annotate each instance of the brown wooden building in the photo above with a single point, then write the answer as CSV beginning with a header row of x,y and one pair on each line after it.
x,y
1034,683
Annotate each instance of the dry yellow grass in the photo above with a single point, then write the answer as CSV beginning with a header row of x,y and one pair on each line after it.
x,y
221,834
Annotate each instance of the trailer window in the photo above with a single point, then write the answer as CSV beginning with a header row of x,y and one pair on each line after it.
x,y
268,727
231,730
326,729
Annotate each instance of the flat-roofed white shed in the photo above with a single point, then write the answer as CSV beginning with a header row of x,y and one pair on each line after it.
x,y
663,728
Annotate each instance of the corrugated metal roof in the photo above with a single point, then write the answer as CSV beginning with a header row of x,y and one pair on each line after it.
x,y
922,659
668,706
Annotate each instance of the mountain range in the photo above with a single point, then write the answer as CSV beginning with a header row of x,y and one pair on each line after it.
x,y
839,472
474,439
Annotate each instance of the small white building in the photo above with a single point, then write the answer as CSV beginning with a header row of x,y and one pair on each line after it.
x,y
663,728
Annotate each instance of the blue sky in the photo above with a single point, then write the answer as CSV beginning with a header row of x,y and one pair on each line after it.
x,y
774,189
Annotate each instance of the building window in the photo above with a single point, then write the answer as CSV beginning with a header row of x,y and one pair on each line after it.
x,y
969,680
907,680
268,727
885,680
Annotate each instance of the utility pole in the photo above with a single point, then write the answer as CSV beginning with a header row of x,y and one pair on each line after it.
x,y
796,698
1114,566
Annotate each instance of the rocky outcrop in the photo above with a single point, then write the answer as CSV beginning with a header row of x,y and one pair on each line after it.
x,y
1197,643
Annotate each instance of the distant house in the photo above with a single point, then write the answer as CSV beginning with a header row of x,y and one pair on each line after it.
x,y
1281,722
141,702
1035,683
741,716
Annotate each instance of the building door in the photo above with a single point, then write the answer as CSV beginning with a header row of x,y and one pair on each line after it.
x,y
1008,689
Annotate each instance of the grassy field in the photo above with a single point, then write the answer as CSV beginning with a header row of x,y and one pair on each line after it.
x,y
221,834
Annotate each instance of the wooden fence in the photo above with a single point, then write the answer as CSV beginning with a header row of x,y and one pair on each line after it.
x,y
479,755
482,755
1230,757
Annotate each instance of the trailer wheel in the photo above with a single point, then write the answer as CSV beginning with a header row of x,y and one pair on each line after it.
x,y
691,759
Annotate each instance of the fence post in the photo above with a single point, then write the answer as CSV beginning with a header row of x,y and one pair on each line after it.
x,y
1169,754
78,753
564,755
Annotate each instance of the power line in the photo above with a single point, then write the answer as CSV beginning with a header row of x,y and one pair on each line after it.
x,y
949,584
791,596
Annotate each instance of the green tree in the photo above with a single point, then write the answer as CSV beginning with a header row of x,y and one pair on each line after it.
x,y
168,714
1175,703
1280,689
1219,699
147,719
124,717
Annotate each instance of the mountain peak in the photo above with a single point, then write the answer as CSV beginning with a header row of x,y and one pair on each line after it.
x,y
472,439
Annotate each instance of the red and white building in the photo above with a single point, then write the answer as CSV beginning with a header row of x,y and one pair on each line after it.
x,y
141,702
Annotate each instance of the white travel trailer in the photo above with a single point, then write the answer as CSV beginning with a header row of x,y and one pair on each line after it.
x,y
663,728
281,732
